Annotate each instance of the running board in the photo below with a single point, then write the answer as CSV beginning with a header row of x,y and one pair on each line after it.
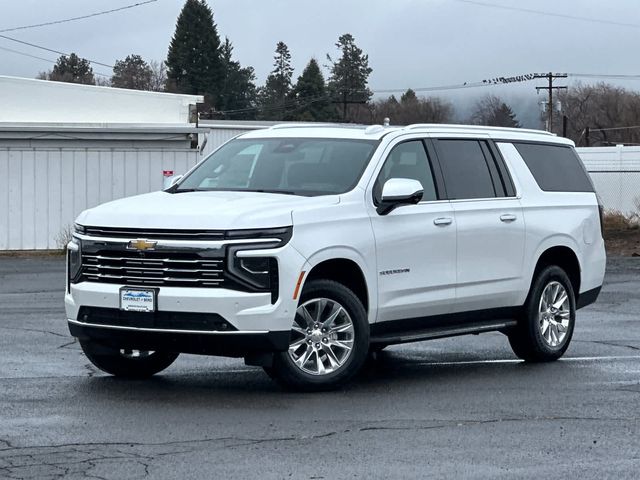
x,y
442,332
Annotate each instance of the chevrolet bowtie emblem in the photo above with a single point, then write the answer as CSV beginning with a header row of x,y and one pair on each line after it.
x,y
141,245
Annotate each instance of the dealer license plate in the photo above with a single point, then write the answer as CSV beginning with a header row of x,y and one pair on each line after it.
x,y
137,299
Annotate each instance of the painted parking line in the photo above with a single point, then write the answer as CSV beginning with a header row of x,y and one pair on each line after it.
x,y
515,360
611,358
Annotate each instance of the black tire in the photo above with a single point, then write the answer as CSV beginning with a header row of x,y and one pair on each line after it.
x,y
289,375
527,340
112,361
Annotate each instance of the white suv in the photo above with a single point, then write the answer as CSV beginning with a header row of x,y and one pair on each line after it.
x,y
302,248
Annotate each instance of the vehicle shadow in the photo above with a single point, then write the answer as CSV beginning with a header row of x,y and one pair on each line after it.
x,y
387,372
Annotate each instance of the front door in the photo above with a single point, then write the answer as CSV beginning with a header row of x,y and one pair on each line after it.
x,y
415,244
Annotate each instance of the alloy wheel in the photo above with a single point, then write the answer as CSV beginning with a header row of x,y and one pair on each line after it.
x,y
554,314
322,336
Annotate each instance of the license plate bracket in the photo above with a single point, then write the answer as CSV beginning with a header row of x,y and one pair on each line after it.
x,y
136,299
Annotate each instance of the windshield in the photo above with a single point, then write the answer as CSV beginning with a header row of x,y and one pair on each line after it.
x,y
298,166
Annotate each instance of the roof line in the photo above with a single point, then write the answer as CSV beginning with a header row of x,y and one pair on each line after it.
x,y
477,127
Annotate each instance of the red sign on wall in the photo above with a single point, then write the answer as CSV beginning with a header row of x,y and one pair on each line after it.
x,y
167,173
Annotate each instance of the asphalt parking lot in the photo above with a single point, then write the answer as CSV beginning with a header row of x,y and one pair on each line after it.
x,y
461,407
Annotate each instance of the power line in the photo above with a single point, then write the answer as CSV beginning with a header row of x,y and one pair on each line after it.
x,y
26,54
82,17
606,75
482,83
550,14
34,45
18,52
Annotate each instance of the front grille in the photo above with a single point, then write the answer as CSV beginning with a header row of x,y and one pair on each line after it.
x,y
154,269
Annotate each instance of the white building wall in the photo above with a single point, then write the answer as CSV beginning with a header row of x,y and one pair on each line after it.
x,y
43,190
40,101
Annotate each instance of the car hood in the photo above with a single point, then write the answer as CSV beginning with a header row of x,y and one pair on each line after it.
x,y
220,210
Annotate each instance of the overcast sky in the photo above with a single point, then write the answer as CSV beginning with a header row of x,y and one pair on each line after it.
x,y
411,43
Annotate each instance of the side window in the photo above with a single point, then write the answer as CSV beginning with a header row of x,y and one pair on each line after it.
x,y
556,168
465,169
407,160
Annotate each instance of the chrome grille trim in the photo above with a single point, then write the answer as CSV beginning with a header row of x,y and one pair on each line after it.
x,y
165,270
155,234
165,245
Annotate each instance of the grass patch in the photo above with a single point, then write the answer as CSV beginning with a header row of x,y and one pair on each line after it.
x,y
615,221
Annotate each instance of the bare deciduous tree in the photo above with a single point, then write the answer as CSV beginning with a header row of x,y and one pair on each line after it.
x,y
158,75
612,114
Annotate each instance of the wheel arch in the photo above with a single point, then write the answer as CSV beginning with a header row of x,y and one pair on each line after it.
x,y
564,257
343,269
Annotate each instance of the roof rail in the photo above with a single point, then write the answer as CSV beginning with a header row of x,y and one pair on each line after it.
x,y
477,127
316,125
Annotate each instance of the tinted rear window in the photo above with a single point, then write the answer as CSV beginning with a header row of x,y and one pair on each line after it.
x,y
556,168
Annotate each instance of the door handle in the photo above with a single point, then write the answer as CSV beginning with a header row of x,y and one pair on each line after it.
x,y
507,217
443,221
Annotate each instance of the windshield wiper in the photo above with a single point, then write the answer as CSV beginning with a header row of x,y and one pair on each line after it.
x,y
263,190
185,190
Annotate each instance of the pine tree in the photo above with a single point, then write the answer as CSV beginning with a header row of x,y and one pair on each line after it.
x,y
409,97
238,91
349,78
312,103
72,69
492,111
273,96
503,116
133,73
193,63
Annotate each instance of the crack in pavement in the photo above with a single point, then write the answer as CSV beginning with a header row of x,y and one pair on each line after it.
x,y
34,330
65,345
611,343
253,441
84,458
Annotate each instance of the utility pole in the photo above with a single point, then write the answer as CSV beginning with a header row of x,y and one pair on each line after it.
x,y
550,77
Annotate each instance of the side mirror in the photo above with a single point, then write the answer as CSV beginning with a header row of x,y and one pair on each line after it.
x,y
171,181
397,192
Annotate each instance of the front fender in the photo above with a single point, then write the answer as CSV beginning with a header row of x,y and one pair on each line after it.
x,y
348,253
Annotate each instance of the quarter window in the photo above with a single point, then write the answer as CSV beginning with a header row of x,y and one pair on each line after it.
x,y
465,169
556,168
407,160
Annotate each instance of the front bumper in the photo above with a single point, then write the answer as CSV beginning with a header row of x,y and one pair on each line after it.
x,y
229,344
242,310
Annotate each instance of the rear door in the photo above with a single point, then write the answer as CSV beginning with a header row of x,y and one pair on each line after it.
x,y
489,221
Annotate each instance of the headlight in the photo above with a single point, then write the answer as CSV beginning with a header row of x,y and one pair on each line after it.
x,y
78,228
256,270
74,260
255,273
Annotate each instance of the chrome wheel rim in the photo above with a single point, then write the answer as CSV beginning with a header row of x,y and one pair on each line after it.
x,y
322,337
554,314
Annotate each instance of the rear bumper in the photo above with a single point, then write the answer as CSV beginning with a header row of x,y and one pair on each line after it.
x,y
228,344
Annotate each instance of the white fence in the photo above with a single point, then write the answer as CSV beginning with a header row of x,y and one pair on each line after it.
x,y
616,175
42,190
